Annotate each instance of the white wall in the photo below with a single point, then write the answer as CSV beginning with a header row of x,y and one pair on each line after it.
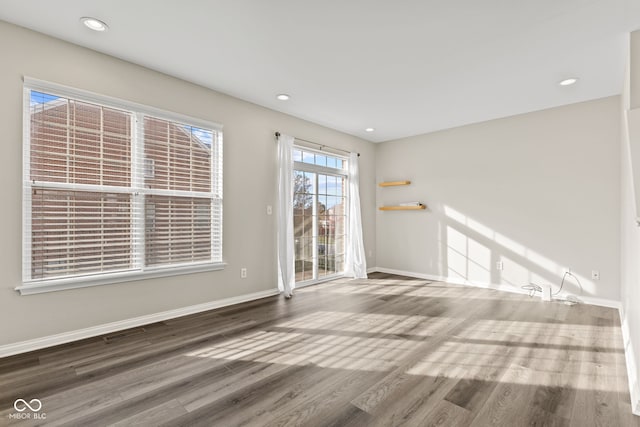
x,y
630,232
539,191
249,184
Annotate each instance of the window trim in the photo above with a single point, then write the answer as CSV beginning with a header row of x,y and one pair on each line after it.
x,y
137,272
97,279
112,102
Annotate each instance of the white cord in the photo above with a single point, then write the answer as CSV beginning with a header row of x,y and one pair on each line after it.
x,y
533,288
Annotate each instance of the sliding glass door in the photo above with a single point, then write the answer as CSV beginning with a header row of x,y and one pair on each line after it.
x,y
320,217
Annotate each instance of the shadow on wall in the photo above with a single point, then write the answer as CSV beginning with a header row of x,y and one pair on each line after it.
x,y
466,255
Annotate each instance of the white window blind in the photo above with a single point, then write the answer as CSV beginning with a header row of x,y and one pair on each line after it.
x,y
116,191
179,194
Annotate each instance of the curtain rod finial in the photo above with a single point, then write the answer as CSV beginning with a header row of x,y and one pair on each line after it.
x,y
277,134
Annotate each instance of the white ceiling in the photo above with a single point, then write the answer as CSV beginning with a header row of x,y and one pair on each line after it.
x,y
403,67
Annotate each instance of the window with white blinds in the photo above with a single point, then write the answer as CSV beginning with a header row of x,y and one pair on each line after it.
x,y
116,191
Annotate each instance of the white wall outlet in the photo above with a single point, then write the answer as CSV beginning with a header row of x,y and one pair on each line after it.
x,y
499,265
243,273
269,210
595,274
370,253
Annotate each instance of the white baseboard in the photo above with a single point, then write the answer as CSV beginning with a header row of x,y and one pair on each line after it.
x,y
504,288
602,302
51,340
454,280
633,374
404,273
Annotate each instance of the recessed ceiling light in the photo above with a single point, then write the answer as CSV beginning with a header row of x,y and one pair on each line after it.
x,y
283,97
369,129
94,24
568,82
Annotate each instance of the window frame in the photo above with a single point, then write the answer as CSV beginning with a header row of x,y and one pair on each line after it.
x,y
324,170
138,271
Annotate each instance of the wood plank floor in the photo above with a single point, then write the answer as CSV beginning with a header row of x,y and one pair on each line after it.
x,y
387,351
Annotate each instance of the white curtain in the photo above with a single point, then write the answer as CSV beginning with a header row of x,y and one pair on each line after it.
x,y
286,274
356,262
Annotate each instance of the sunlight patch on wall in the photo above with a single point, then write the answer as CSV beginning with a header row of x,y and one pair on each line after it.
x,y
479,264
456,254
467,258
470,260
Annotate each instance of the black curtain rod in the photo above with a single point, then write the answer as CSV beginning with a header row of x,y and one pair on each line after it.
x,y
316,143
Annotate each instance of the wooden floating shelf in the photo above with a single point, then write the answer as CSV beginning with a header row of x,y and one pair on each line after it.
x,y
402,208
394,183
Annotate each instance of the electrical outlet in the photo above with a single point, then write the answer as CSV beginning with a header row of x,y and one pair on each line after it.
x,y
269,210
243,273
595,274
370,253
499,265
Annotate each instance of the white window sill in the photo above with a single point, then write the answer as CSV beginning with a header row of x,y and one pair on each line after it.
x,y
38,287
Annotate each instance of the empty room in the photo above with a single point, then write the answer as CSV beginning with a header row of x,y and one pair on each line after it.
x,y
320,213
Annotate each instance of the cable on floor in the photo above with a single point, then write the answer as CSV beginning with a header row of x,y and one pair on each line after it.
x,y
532,288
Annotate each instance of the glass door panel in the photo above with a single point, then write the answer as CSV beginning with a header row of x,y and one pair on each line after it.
x,y
331,224
303,224
319,209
